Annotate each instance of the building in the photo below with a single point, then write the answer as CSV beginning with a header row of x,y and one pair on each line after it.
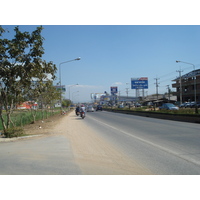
x,y
27,105
118,99
128,99
186,85
159,99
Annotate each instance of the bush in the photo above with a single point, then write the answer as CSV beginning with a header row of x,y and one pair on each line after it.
x,y
14,132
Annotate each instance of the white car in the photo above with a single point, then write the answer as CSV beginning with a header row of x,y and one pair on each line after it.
x,y
90,109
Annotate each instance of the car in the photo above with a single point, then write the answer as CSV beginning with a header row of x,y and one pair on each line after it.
x,y
194,104
120,106
182,105
168,106
99,107
188,105
137,105
90,109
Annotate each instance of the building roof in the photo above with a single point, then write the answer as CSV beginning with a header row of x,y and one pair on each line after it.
x,y
189,75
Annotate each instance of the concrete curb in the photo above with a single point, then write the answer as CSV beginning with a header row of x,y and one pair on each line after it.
x,y
17,138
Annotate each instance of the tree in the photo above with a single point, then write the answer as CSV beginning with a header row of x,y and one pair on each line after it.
x,y
66,103
20,62
48,95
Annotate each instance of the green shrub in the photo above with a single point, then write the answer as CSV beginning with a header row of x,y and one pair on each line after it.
x,y
23,117
14,132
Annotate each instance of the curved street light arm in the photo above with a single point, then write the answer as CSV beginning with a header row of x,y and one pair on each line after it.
x,y
186,63
60,77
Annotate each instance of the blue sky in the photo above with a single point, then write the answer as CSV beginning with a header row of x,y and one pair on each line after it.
x,y
112,55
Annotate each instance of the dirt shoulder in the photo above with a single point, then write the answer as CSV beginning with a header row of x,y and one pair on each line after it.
x,y
93,153
45,126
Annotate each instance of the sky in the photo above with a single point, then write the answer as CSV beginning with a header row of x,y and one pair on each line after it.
x,y
113,54
116,41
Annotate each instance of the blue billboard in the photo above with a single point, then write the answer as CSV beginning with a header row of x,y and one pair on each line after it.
x,y
113,90
139,83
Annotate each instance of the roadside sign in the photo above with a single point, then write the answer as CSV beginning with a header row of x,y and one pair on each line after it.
x,y
139,83
113,90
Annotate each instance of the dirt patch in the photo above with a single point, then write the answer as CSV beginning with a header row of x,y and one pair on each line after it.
x,y
45,126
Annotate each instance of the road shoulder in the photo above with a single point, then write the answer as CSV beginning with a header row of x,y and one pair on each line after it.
x,y
94,154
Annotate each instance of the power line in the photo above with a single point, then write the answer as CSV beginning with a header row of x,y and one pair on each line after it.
x,y
170,73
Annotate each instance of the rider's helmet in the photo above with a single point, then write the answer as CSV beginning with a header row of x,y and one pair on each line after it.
x,y
82,105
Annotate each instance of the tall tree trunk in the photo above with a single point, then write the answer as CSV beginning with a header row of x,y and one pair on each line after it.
x,y
2,120
9,110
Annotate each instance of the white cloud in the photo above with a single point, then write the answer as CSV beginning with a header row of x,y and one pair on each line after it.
x,y
82,93
89,86
117,83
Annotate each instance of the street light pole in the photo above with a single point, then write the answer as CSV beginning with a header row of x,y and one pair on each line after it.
x,y
127,91
69,90
60,78
195,95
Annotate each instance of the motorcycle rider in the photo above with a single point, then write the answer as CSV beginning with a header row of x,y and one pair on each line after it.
x,y
82,109
77,110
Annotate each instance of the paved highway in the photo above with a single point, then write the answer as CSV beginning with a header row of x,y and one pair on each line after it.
x,y
162,146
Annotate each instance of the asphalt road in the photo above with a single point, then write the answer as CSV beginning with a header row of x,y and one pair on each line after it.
x,y
162,146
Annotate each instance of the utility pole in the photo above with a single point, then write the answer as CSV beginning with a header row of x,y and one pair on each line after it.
x,y
157,86
127,90
180,81
168,88
195,84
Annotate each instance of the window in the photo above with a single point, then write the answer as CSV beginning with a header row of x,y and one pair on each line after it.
x,y
186,90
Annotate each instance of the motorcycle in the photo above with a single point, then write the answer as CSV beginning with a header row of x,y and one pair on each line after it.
x,y
77,113
82,114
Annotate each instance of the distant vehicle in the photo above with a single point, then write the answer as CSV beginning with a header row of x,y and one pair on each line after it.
x,y
90,109
194,104
137,105
121,106
150,104
183,105
188,105
99,107
168,106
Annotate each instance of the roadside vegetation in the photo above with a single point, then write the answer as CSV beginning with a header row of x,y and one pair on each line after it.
x,y
20,118
24,76
183,111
